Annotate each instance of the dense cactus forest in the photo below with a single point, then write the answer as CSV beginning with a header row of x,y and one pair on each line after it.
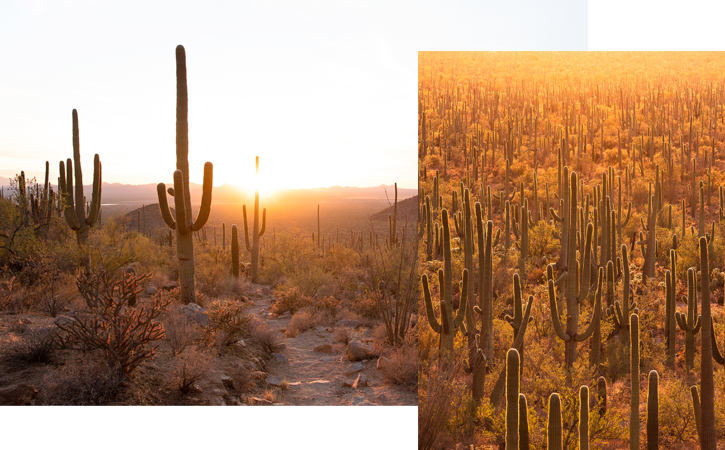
x,y
98,311
571,250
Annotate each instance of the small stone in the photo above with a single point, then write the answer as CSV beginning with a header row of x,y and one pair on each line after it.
x,y
383,362
169,286
354,367
361,381
280,358
151,290
346,383
241,343
382,399
348,323
195,389
360,401
227,382
325,348
280,346
259,374
274,381
216,401
320,329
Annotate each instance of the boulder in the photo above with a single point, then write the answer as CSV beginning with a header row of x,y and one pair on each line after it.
x,y
354,367
151,290
17,394
357,351
170,286
383,362
382,399
325,348
274,381
196,313
348,323
345,383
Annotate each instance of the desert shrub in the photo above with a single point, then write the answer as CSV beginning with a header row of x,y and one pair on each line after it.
x,y
328,305
541,239
302,321
676,417
191,366
366,305
243,380
402,369
290,300
181,331
83,383
227,321
124,335
344,335
311,280
37,347
213,273
266,338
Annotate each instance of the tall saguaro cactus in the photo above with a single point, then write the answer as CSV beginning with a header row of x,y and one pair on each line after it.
x,y
707,383
512,398
256,232
75,207
184,224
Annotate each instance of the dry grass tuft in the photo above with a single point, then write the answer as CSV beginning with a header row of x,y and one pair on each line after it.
x,y
181,331
83,383
302,321
191,366
344,335
37,347
266,338
403,368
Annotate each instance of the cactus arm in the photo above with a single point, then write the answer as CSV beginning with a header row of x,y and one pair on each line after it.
x,y
68,212
629,214
96,196
458,321
179,203
264,222
555,215
681,320
205,208
716,355
496,239
555,314
644,227
698,325
597,312
80,207
246,229
561,279
164,206
585,288
429,307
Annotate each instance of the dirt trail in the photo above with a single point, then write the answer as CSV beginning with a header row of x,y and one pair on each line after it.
x,y
316,378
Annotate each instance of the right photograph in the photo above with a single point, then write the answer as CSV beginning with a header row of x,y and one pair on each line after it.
x,y
571,248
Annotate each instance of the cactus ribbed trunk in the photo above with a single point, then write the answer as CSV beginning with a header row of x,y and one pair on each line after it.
x,y
512,399
634,377
707,384
652,411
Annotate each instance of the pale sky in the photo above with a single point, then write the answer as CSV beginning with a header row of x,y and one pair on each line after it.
x,y
325,94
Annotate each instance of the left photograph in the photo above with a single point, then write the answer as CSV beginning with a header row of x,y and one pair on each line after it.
x,y
248,272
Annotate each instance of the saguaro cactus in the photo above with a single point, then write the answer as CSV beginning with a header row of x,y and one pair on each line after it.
x,y
554,435
235,252
184,224
523,423
653,406
620,313
512,398
75,207
584,418
691,322
256,232
634,377
707,384
448,323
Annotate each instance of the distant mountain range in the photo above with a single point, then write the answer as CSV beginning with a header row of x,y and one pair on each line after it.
x,y
146,193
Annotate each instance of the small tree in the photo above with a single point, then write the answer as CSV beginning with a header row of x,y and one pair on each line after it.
x,y
123,334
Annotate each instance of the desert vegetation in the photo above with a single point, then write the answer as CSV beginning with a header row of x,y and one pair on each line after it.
x,y
97,311
571,250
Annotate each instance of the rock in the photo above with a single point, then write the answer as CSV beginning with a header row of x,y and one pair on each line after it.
x,y
62,320
360,401
354,367
241,343
383,362
169,286
26,321
216,401
196,313
286,315
346,383
195,389
357,351
361,381
382,399
348,323
236,402
281,358
280,346
17,394
274,381
151,290
259,374
320,329
325,348
330,358
227,382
